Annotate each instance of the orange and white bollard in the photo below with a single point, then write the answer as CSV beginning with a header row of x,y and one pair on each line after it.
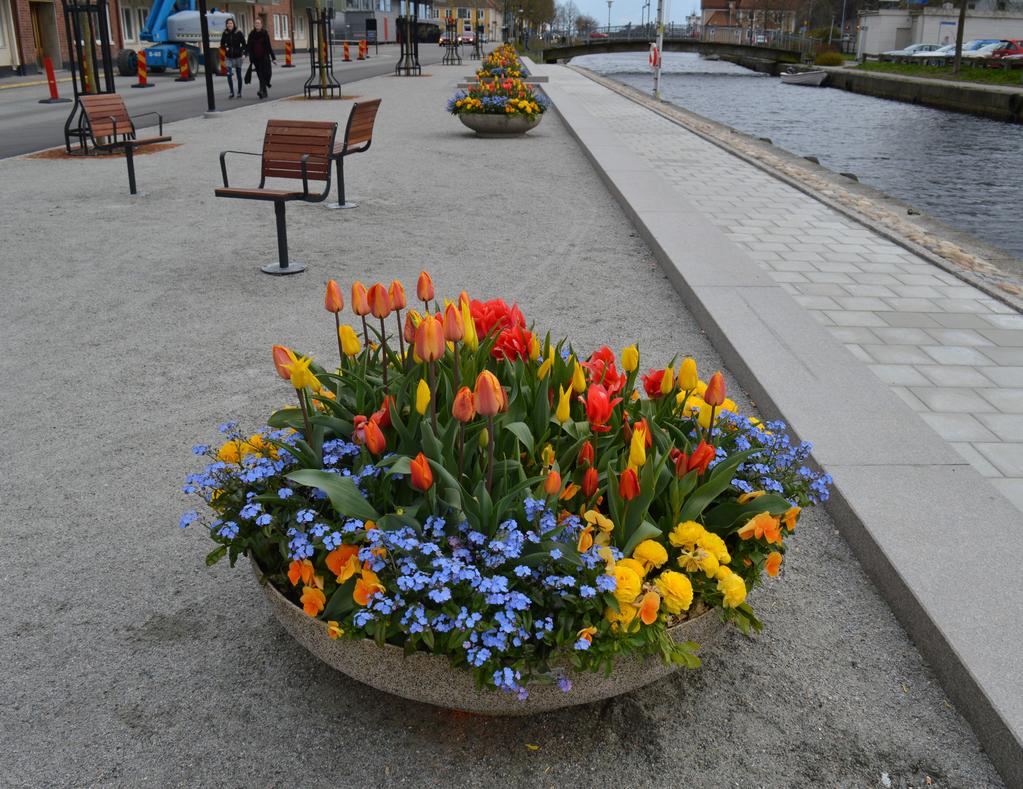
x,y
287,55
143,71
344,48
183,66
360,55
51,81
223,62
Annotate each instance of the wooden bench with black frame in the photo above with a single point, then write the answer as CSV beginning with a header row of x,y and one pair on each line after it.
x,y
297,150
358,138
104,116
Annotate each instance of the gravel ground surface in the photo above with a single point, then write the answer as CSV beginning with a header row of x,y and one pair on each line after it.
x,y
133,327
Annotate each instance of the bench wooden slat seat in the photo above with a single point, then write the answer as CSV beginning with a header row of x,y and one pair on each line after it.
x,y
358,137
296,150
105,117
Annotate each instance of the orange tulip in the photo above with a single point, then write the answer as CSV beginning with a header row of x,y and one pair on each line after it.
x,y
464,408
586,454
454,331
585,540
628,484
422,474
360,304
397,294
773,565
374,437
410,327
379,301
343,561
430,339
490,395
649,607
283,359
367,586
313,600
590,482
424,287
715,394
300,570
333,301
552,484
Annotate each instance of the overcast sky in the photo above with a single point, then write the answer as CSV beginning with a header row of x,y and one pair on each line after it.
x,y
623,11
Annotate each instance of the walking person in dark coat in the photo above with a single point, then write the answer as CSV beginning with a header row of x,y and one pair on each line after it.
x,y
260,54
233,44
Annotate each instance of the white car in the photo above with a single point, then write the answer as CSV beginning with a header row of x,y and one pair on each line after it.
x,y
984,51
948,50
911,50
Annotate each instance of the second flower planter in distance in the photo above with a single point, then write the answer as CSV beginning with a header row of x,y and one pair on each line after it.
x,y
486,125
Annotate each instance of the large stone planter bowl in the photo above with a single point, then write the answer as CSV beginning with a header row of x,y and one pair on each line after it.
x,y
432,679
488,125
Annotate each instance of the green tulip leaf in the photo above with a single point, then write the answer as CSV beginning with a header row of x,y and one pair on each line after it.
x,y
343,494
522,432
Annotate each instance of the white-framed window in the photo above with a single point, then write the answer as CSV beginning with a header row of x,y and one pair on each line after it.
x,y
463,13
143,14
128,23
299,27
277,25
435,13
285,26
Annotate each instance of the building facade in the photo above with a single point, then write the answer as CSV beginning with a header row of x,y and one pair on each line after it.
x,y
745,20
490,15
886,29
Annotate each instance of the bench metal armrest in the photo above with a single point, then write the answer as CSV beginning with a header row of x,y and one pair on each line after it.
x,y
223,163
305,176
144,114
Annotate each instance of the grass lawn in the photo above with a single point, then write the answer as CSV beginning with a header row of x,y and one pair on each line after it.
x,y
991,76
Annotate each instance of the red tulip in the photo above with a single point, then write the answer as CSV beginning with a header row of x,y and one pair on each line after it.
x,y
422,475
553,483
283,359
652,384
424,287
397,294
383,416
333,301
454,331
700,459
715,394
628,485
360,304
490,396
599,408
430,339
586,454
379,301
590,482
464,408
374,437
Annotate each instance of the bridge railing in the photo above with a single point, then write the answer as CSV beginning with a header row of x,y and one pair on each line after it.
x,y
769,39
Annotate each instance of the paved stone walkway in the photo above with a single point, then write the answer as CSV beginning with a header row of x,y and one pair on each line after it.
x,y
952,352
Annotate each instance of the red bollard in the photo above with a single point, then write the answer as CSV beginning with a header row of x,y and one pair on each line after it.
x,y
344,49
183,67
223,62
287,55
143,71
360,56
51,81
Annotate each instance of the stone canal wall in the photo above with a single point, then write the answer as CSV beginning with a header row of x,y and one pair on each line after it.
x,y
991,101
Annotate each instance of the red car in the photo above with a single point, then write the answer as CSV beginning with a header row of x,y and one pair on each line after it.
x,y
1010,47
598,35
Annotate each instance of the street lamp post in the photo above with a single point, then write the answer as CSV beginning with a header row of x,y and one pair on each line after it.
x,y
609,16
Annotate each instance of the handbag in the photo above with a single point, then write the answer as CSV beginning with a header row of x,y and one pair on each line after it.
x,y
248,74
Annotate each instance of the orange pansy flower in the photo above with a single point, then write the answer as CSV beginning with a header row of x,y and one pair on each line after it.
x,y
343,561
649,607
367,586
773,563
300,570
313,600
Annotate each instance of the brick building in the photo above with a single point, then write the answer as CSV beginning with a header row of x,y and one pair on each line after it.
x,y
33,29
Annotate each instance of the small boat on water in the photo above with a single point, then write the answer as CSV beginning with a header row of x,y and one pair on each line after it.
x,y
813,78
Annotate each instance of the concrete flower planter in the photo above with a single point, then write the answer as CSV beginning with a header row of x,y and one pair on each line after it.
x,y
487,125
432,679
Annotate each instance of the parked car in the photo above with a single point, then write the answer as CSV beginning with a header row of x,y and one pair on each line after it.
x,y
947,51
597,34
444,40
911,50
1010,48
467,37
985,51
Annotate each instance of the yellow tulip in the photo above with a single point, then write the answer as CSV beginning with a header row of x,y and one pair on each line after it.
x,y
668,381
630,358
349,340
422,396
301,376
534,349
578,379
687,377
564,403
470,340
637,449
545,368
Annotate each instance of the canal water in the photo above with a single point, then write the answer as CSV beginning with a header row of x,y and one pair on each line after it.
x,y
962,169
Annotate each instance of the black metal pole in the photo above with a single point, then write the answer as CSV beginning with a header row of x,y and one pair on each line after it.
x,y
207,58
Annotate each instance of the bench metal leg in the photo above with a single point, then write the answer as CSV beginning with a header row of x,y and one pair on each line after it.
x,y
129,156
341,202
284,266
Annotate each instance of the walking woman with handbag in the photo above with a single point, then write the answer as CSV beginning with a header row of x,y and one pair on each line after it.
x,y
233,44
260,54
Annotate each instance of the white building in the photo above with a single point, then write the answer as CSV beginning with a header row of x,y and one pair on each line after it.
x,y
885,29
